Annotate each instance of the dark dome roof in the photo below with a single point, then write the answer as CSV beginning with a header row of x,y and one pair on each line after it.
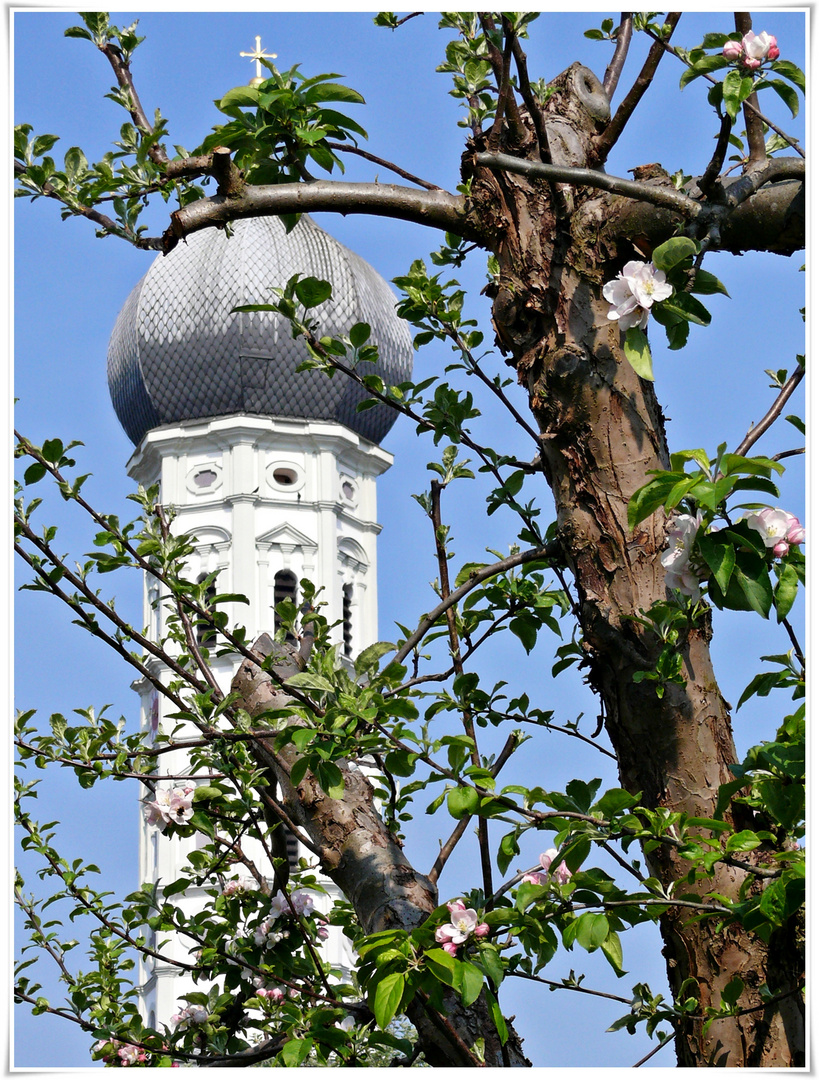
x,y
177,353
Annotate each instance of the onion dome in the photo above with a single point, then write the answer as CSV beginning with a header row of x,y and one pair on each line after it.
x,y
178,352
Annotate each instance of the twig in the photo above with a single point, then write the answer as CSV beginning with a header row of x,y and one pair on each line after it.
x,y
651,1053
439,531
549,551
122,72
604,143
772,414
707,182
767,172
615,68
350,149
800,656
789,139
529,101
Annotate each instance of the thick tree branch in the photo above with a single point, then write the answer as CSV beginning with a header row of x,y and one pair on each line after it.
x,y
667,197
604,143
438,209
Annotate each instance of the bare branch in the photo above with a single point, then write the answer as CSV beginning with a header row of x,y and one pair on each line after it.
x,y
438,209
772,414
769,171
122,72
615,68
707,182
666,197
535,111
604,143
348,148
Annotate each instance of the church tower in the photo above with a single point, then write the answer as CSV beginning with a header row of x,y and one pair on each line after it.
x,y
272,471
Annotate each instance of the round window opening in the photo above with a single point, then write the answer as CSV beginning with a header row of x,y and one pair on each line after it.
x,y
285,477
205,478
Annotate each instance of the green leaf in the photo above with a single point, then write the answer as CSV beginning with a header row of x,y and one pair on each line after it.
x,y
689,308
736,87
471,983
787,93
525,629
330,777
463,802
370,656
312,291
742,841
309,680
359,334
592,930
36,471
238,97
466,571
790,71
703,67
719,556
638,353
445,967
785,591
612,949
707,284
386,998
673,251
295,1052
42,144
755,583
497,1018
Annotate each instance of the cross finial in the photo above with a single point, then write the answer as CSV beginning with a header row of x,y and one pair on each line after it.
x,y
258,55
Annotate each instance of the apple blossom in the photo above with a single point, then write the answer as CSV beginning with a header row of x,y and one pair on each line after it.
x,y
170,806
676,560
561,873
778,528
753,50
632,293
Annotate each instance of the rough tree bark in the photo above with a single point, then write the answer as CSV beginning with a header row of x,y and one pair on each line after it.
x,y
602,432
360,854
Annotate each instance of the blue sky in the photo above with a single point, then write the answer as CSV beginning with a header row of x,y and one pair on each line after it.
x,y
70,286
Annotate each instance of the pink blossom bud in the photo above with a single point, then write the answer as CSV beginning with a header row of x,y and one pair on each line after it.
x,y
773,52
481,930
781,549
457,905
750,62
547,857
732,50
450,947
534,879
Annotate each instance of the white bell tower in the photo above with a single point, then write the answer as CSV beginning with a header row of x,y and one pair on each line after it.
x,y
273,472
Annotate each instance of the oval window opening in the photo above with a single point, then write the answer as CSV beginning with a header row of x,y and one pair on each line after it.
x,y
285,477
348,490
205,478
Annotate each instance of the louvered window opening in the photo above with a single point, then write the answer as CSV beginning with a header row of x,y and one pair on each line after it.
x,y
347,619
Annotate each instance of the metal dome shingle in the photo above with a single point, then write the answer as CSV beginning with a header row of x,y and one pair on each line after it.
x,y
178,353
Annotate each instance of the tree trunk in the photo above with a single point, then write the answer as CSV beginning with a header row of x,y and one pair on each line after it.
x,y
363,858
602,432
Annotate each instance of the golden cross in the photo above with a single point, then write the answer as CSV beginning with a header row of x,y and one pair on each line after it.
x,y
258,55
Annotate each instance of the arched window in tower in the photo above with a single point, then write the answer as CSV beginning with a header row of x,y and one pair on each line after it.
x,y
347,619
284,588
205,634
